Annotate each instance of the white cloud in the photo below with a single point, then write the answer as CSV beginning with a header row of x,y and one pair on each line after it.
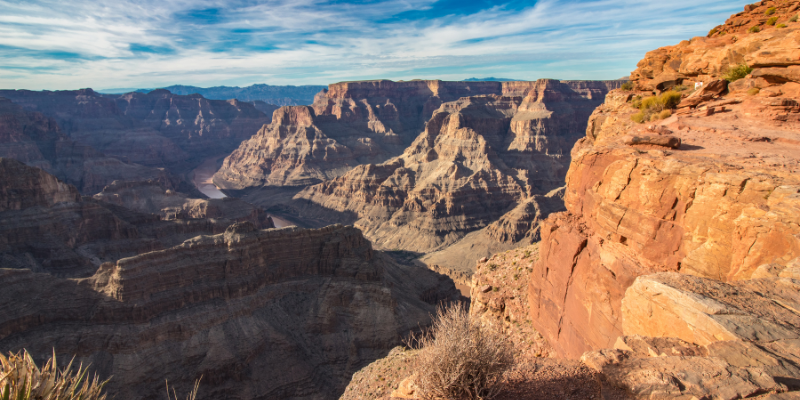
x,y
304,41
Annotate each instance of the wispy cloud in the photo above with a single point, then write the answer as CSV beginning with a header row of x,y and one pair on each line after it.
x,y
46,44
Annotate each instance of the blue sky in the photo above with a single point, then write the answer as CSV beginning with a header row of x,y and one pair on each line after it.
x,y
47,44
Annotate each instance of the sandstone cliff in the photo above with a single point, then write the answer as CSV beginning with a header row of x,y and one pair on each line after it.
x,y
38,141
275,313
157,129
724,203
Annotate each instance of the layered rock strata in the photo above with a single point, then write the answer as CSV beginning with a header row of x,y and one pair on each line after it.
x,y
481,160
354,123
722,205
38,141
305,308
153,129
46,226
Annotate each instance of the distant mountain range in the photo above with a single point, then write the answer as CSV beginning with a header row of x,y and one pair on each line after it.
x,y
278,95
491,79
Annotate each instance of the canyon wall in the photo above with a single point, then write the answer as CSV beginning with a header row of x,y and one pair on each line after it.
x,y
38,141
272,313
353,123
157,129
480,161
722,204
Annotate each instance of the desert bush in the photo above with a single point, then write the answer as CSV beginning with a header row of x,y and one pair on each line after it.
x,y
772,21
781,26
769,11
461,358
713,31
753,91
653,106
794,19
754,29
680,88
21,379
737,72
665,114
627,86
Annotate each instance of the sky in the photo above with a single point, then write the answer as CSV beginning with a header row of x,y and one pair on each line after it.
x,y
56,45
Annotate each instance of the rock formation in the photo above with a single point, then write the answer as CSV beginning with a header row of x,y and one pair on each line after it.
x,y
481,160
38,141
723,204
352,123
157,129
274,313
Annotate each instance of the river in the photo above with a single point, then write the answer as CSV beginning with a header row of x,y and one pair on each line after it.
x,y
202,179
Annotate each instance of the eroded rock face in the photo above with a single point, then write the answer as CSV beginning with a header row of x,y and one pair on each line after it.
x,y
356,123
478,158
38,141
146,300
719,206
153,129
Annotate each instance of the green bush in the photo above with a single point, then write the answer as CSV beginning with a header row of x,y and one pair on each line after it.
x,y
793,19
754,29
769,11
627,86
653,108
737,72
781,26
772,21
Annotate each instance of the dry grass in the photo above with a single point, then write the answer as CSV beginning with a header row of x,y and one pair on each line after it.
x,y
653,108
21,379
461,358
192,394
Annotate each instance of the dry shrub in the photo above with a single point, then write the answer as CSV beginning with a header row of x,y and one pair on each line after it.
x,y
753,91
21,379
754,29
652,108
627,86
461,358
737,72
772,21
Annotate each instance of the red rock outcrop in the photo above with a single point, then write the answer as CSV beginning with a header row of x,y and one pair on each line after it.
x,y
145,300
37,141
724,203
157,129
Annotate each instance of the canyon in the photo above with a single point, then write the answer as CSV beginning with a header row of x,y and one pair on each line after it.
x,y
420,165
205,292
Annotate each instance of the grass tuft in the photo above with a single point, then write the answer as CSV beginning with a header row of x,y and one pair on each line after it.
x,y
192,394
754,29
772,21
794,19
781,26
21,379
627,86
737,72
460,357
652,108
769,11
